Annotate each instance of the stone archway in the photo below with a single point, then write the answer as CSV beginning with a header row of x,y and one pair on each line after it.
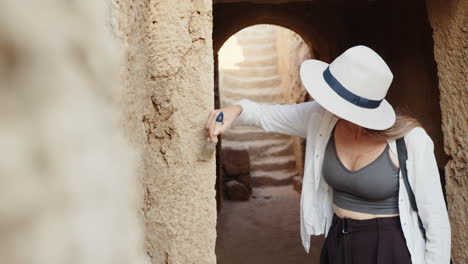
x,y
307,22
261,171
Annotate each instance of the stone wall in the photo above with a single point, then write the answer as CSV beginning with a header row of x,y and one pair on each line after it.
x,y
168,95
449,20
68,186
292,51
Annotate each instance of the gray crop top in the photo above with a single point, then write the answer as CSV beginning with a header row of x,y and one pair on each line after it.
x,y
372,189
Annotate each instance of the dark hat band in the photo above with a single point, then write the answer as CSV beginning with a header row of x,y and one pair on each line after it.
x,y
347,94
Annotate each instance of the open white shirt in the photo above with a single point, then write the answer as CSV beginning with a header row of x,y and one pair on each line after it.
x,y
313,122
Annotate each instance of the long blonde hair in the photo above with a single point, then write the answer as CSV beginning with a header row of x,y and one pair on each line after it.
x,y
403,124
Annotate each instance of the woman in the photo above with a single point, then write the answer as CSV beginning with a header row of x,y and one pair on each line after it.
x,y
353,190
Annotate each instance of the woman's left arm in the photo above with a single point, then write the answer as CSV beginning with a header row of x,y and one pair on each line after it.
x,y
430,201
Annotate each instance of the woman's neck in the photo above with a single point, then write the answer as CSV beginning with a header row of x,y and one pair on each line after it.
x,y
355,131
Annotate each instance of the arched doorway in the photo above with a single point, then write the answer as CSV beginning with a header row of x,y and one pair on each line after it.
x,y
261,171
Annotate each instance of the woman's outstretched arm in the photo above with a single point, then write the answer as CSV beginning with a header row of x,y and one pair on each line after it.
x,y
288,119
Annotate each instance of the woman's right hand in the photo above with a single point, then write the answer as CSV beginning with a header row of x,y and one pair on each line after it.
x,y
229,115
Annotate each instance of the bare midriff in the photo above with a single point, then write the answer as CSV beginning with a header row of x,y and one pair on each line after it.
x,y
342,213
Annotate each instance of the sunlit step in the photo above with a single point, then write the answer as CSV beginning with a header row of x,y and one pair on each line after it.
x,y
251,71
250,82
257,148
228,97
256,39
280,150
225,101
255,61
250,134
274,163
251,93
272,178
259,49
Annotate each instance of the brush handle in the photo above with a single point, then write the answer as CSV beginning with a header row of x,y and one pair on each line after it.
x,y
220,117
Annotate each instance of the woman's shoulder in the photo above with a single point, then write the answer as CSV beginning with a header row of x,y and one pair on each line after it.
x,y
313,110
416,131
417,136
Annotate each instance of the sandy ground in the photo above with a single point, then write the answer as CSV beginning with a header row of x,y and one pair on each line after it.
x,y
264,230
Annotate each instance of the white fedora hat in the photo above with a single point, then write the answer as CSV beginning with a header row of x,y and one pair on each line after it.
x,y
352,87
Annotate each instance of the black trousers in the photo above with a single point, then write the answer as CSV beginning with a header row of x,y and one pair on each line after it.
x,y
370,241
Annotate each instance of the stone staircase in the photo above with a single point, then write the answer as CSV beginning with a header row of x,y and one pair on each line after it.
x,y
272,160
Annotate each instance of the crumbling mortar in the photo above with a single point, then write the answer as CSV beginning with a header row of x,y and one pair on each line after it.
x,y
157,136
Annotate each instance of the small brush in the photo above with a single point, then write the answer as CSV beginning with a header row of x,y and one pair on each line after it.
x,y
210,146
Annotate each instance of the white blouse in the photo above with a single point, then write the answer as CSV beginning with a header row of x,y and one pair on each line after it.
x,y
313,122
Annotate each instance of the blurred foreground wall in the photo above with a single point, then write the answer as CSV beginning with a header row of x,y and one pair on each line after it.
x,y
68,191
449,20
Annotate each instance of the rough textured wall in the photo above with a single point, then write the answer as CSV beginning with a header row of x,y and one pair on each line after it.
x,y
169,93
292,51
67,176
449,20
